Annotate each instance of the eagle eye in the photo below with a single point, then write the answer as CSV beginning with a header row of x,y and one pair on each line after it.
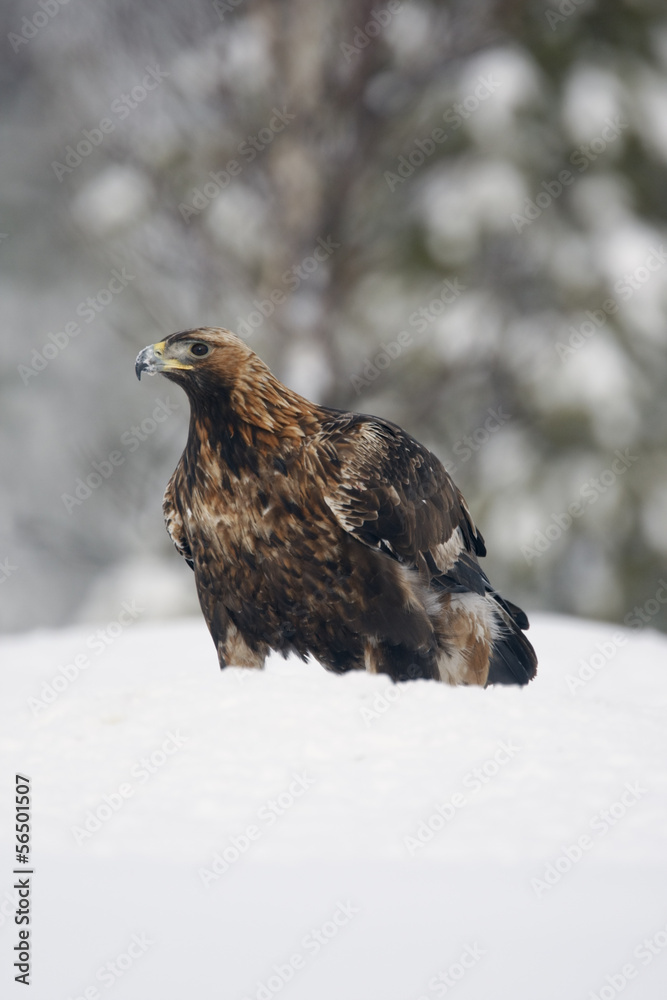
x,y
199,350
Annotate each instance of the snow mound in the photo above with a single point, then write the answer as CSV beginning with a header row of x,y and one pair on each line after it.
x,y
243,834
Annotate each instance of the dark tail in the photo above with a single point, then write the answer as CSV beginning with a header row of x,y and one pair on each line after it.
x,y
513,660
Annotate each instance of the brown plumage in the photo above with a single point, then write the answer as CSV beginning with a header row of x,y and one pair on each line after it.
x,y
313,530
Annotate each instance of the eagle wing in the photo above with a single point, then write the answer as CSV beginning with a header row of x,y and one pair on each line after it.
x,y
173,519
393,494
214,614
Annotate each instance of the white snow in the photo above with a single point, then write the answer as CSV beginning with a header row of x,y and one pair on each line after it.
x,y
319,780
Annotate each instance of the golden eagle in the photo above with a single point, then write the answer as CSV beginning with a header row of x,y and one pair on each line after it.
x,y
319,531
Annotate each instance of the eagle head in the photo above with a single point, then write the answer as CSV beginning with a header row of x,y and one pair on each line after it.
x,y
195,358
227,383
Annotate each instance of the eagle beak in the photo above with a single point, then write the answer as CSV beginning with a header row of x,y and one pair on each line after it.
x,y
147,361
152,359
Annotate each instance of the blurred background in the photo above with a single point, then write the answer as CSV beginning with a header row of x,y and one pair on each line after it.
x,y
450,214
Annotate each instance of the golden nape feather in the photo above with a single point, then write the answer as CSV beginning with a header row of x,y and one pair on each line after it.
x,y
318,531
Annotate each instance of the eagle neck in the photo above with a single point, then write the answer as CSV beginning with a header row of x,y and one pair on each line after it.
x,y
240,426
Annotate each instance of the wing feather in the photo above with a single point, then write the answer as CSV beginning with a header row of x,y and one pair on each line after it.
x,y
392,493
173,519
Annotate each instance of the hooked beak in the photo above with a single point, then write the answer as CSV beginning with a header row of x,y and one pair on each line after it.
x,y
147,361
152,360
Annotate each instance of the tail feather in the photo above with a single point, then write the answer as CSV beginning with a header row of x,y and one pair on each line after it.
x,y
513,659
518,616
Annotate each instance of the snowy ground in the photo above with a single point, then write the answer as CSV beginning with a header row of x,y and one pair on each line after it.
x,y
241,835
